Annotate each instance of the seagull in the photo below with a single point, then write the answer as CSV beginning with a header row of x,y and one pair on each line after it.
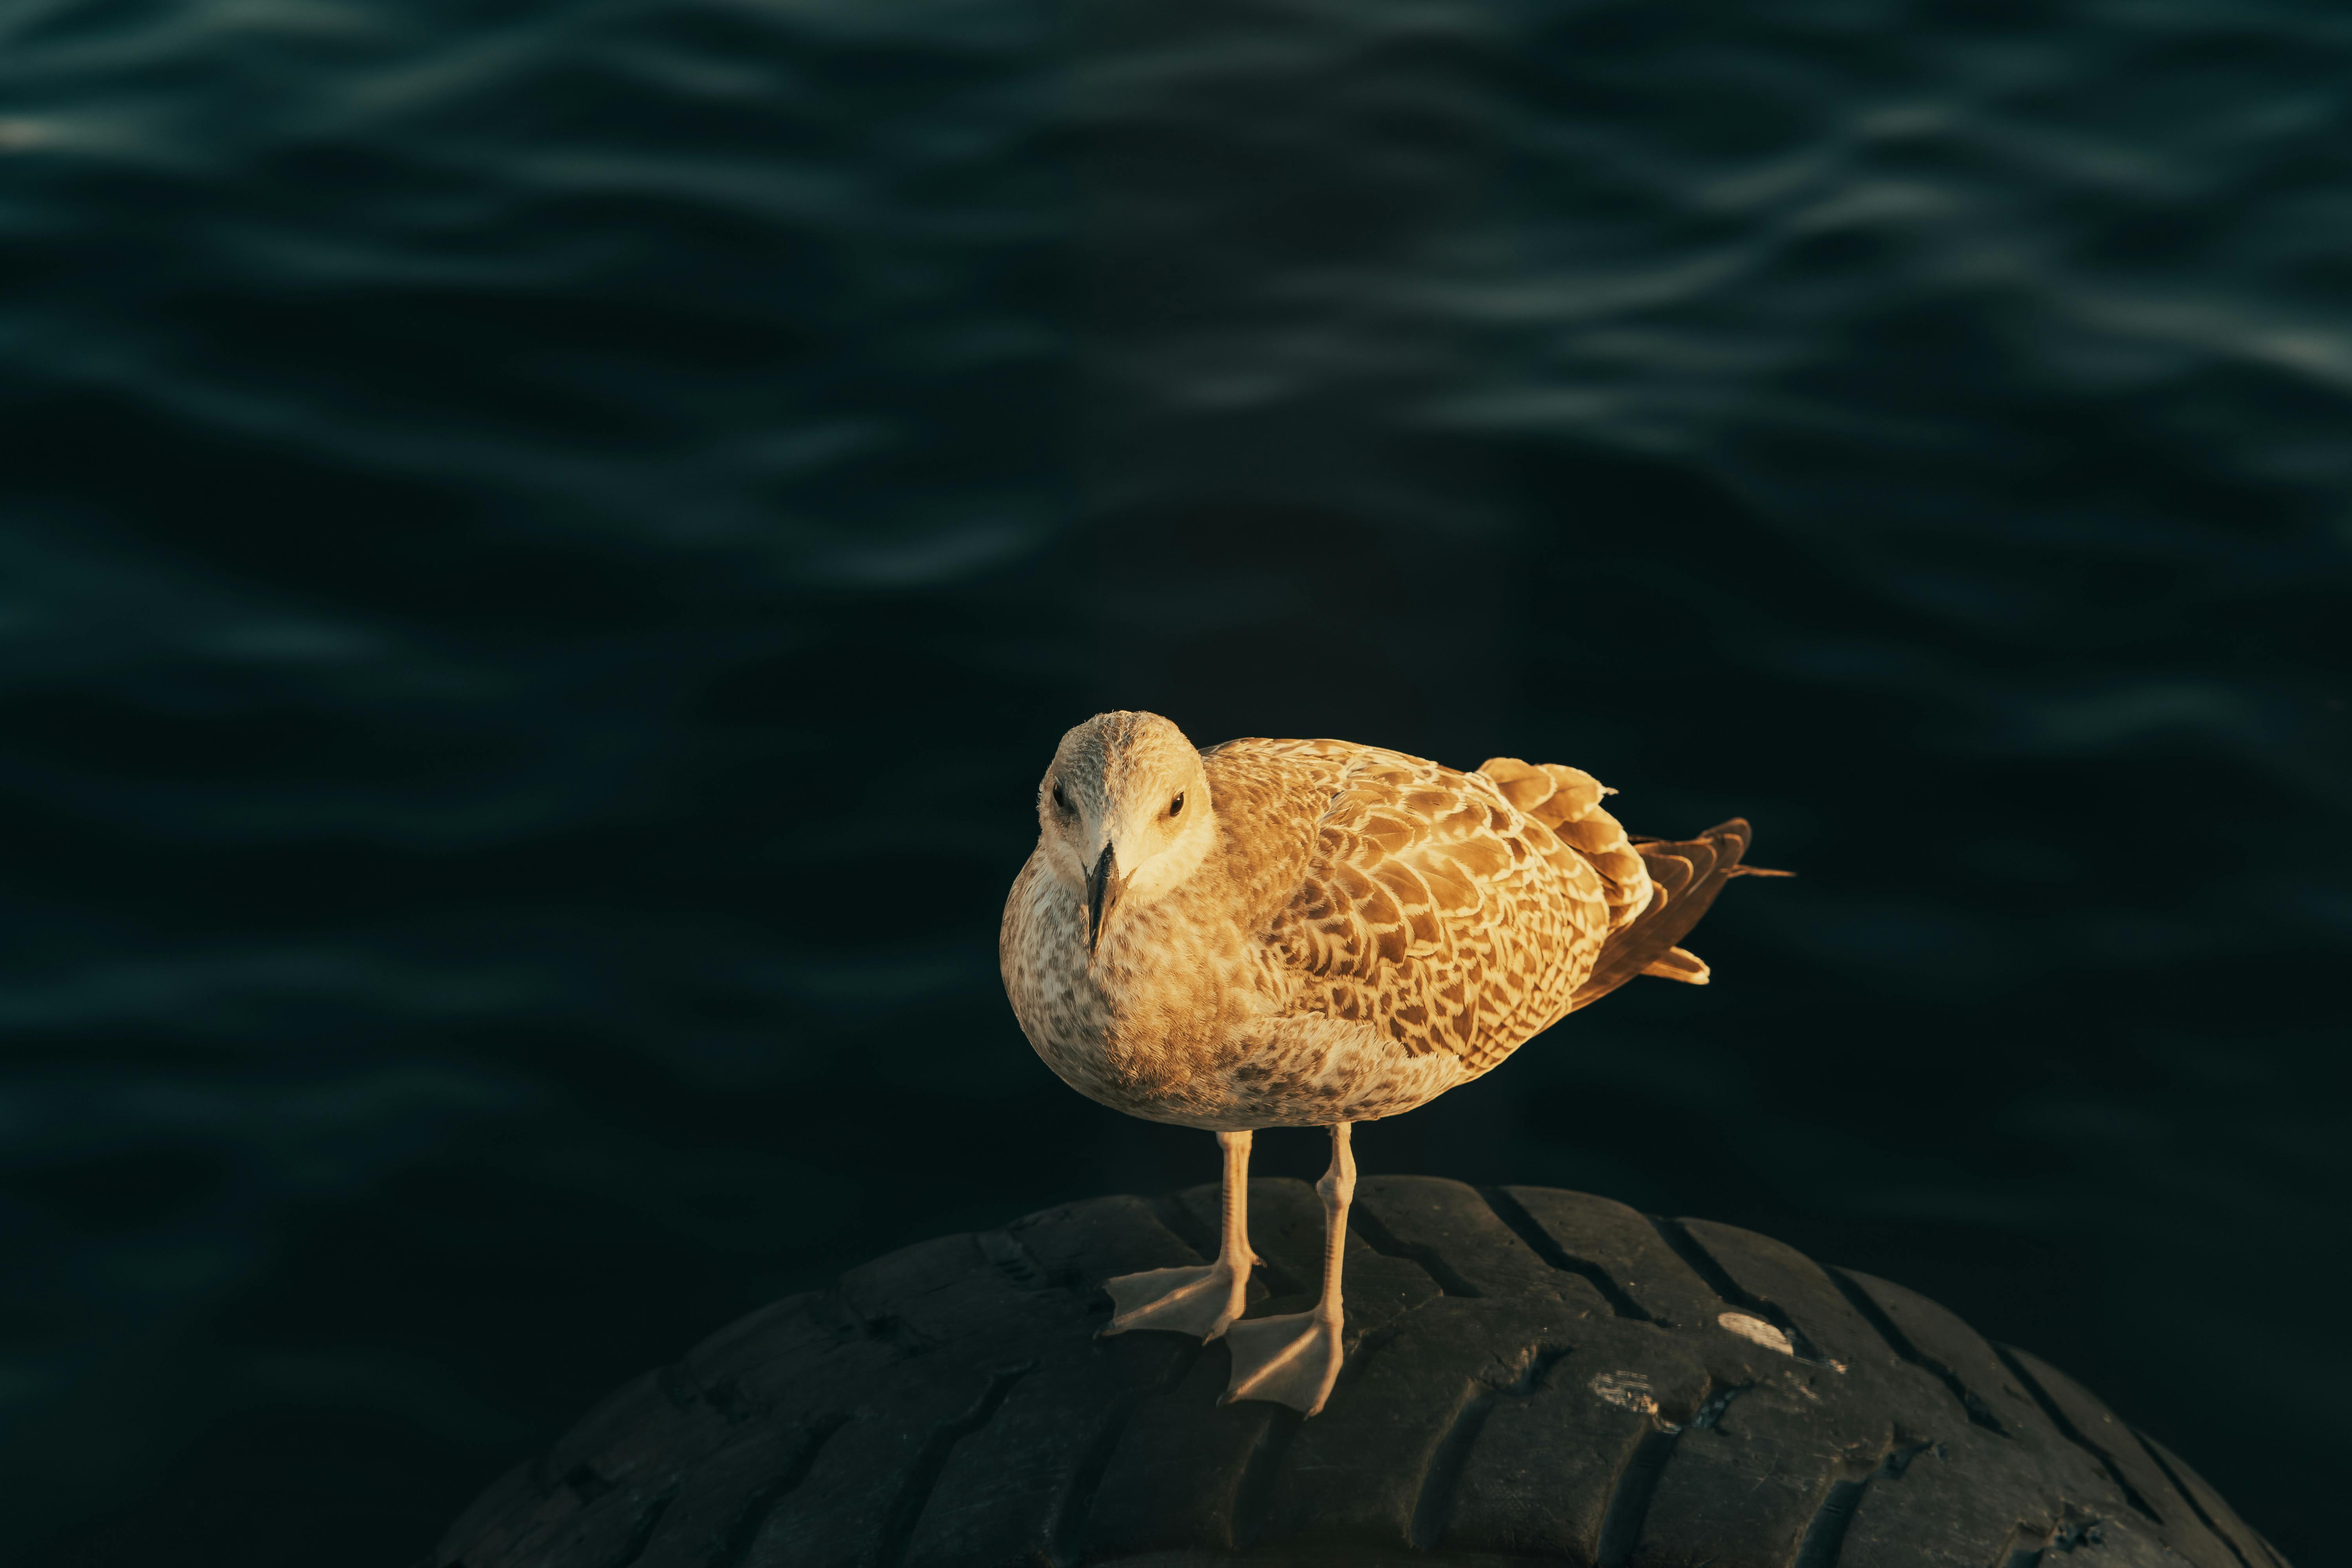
x,y
1314,933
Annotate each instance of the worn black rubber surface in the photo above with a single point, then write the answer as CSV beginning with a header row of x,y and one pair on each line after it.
x,y
1534,1376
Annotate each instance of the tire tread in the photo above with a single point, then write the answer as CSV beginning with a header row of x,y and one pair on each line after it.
x,y
1533,1377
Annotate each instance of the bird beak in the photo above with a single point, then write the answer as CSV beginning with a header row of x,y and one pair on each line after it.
x,y
1104,885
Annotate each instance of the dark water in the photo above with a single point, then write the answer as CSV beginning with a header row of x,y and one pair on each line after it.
x,y
546,547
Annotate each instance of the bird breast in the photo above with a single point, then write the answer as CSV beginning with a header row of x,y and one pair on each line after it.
x,y
1145,1024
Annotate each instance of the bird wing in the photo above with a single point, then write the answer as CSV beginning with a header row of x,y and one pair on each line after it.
x,y
1568,801
1432,906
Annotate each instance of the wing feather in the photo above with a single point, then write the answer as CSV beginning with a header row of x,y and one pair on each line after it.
x,y
1687,875
1433,908
1462,912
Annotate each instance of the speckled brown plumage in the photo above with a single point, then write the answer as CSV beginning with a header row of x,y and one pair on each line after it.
x,y
1358,931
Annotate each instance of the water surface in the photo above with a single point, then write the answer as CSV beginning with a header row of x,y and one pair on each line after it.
x,y
546,547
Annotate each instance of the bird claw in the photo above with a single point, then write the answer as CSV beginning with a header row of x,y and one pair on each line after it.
x,y
1292,1360
1201,1301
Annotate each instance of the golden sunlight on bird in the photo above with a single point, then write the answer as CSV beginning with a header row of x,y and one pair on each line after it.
x,y
1312,933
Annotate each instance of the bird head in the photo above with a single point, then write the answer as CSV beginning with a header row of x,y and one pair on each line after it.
x,y
1123,815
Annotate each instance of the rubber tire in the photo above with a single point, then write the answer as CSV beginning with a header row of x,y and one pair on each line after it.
x,y
1532,1377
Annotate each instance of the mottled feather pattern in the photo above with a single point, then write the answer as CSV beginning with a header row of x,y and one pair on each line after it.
x,y
1433,906
1370,929
1568,801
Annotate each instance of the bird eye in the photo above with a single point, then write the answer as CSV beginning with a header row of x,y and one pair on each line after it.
x,y
1061,801
1176,806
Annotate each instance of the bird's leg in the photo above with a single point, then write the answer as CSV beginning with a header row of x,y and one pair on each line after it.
x,y
1294,1359
1199,1301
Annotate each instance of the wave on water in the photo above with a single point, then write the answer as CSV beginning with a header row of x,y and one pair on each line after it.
x,y
546,544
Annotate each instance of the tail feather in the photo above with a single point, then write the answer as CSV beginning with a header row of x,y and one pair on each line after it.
x,y
1680,964
1687,875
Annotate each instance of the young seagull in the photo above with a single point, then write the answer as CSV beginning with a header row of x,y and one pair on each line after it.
x,y
1310,933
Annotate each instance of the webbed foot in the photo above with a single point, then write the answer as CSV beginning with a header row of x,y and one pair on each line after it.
x,y
1291,1360
1200,1300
